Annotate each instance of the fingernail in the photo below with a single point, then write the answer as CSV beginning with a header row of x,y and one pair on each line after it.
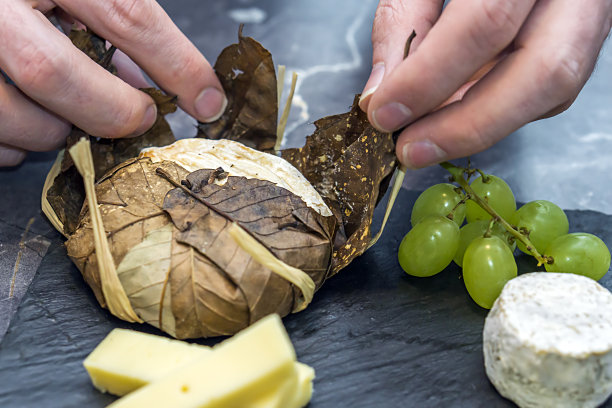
x,y
147,121
378,72
421,153
210,105
391,116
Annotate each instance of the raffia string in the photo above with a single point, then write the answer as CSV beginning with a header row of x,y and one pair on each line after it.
x,y
280,82
282,123
116,299
44,202
400,173
263,256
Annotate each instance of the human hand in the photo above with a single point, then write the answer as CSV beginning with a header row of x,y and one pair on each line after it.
x,y
56,84
478,71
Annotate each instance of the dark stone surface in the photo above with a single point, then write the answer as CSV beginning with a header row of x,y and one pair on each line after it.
x,y
376,337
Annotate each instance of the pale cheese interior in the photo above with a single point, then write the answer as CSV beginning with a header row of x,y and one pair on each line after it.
x,y
239,160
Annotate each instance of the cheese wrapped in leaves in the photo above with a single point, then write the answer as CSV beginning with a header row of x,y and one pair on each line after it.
x,y
170,215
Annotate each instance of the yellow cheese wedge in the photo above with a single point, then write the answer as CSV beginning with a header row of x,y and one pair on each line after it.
x,y
126,360
238,371
294,392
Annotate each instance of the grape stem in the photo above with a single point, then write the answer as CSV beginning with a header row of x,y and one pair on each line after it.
x,y
451,215
457,175
489,228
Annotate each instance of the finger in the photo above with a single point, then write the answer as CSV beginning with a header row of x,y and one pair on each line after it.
x,y
10,156
556,54
468,34
143,30
394,21
43,6
460,93
27,125
45,65
129,71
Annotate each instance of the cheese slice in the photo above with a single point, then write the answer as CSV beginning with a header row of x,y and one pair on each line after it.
x,y
548,341
235,374
294,392
126,360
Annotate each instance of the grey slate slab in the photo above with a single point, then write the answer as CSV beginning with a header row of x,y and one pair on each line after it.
x,y
375,336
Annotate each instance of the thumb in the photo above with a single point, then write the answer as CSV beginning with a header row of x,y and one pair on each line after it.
x,y
394,21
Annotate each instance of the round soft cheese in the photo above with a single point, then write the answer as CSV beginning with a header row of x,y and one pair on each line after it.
x,y
548,341
241,161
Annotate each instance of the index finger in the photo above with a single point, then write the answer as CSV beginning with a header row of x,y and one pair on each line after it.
x,y
143,30
468,34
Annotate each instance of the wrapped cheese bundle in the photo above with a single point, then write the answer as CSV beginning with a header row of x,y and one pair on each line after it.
x,y
205,236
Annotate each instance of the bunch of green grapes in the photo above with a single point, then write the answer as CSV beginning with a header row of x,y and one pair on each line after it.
x,y
484,247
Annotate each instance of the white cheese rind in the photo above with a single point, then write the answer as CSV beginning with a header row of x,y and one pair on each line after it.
x,y
548,341
241,161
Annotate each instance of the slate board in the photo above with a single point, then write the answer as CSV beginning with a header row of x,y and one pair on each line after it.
x,y
375,336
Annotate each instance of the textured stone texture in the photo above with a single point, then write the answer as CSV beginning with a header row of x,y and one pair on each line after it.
x,y
375,336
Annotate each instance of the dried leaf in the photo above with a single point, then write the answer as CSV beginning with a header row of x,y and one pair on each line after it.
x,y
114,294
206,302
213,286
246,71
130,199
144,273
281,221
350,163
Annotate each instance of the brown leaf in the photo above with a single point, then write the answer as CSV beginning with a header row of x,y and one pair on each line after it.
x,y
350,164
246,71
280,220
215,288
130,199
206,302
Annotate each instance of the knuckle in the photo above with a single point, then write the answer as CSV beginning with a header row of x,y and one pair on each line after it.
x,y
385,18
478,137
38,69
498,24
563,73
187,65
129,18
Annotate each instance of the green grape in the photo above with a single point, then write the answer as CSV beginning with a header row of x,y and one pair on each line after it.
x,y
477,229
488,264
544,220
579,253
429,246
439,199
497,193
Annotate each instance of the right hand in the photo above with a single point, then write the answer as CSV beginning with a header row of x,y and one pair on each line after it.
x,y
57,85
477,71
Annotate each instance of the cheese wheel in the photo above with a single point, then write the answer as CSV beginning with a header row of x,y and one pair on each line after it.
x,y
548,341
